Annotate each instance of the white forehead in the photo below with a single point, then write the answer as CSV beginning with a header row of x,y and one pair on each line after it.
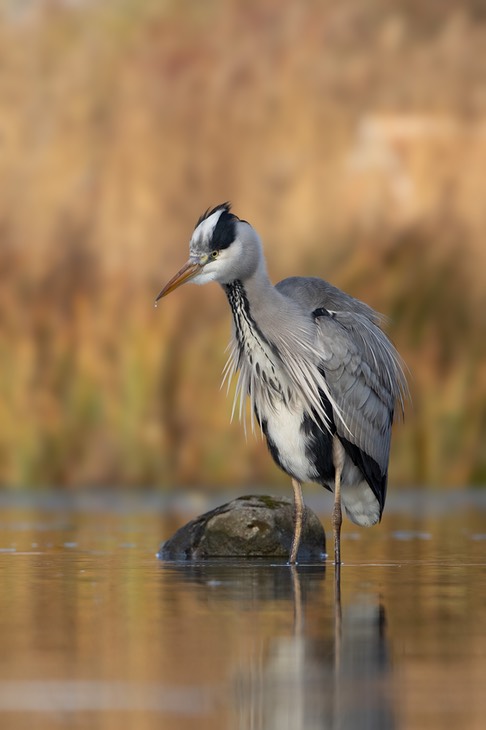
x,y
204,231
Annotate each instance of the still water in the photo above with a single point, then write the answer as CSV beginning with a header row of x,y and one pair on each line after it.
x,y
95,632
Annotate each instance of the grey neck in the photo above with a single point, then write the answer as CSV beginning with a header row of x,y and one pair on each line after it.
x,y
257,291
247,300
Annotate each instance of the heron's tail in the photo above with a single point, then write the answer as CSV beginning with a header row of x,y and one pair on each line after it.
x,y
361,505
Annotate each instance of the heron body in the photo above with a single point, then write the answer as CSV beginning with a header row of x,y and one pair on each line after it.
x,y
322,377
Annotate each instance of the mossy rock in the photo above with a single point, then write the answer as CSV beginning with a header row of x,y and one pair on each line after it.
x,y
247,527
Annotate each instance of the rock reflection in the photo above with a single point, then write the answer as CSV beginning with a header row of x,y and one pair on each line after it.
x,y
250,583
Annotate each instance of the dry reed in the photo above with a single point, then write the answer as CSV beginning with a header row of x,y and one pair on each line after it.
x,y
352,137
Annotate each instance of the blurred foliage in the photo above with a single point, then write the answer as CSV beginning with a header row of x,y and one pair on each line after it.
x,y
353,136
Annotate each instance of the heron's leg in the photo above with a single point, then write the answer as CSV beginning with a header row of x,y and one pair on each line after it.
x,y
298,520
337,518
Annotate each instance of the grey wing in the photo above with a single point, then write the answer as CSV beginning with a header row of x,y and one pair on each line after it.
x,y
365,377
313,293
362,370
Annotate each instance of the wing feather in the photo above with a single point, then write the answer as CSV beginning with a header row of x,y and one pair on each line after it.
x,y
362,369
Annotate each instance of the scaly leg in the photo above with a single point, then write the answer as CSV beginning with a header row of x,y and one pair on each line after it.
x,y
298,520
337,518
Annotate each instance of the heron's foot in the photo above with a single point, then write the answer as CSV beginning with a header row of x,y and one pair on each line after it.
x,y
299,513
337,519
299,518
293,552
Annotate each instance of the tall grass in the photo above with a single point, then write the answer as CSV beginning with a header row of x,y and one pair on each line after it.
x,y
121,121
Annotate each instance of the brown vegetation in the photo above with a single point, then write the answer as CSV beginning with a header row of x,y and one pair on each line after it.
x,y
352,136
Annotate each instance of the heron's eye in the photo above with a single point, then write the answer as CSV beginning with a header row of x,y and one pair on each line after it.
x,y
214,254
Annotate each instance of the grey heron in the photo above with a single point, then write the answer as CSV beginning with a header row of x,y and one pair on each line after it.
x,y
322,377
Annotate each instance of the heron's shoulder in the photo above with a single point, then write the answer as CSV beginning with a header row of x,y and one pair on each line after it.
x,y
314,294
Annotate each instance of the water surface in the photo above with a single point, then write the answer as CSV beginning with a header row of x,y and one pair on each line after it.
x,y
95,632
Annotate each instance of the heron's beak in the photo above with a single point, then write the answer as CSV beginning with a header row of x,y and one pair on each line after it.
x,y
188,271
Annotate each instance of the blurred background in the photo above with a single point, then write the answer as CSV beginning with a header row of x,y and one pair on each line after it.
x,y
352,136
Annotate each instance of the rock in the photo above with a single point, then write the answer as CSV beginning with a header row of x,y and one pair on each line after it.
x,y
247,527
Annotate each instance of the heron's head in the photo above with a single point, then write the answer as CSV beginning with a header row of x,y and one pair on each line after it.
x,y
223,248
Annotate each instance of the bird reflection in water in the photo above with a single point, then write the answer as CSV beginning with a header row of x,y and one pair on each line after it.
x,y
333,676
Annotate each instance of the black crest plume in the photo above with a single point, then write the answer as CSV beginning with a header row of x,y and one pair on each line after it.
x,y
222,206
225,229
